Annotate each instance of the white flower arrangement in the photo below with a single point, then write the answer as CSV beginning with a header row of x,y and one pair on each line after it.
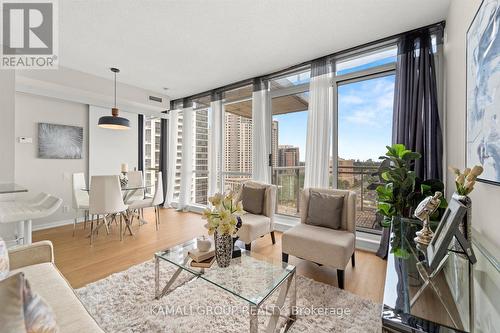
x,y
224,214
465,180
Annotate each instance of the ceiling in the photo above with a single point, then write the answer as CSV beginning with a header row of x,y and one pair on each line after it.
x,y
191,46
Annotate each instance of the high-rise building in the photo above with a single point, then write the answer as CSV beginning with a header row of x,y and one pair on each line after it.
x,y
152,133
238,143
274,142
288,156
200,176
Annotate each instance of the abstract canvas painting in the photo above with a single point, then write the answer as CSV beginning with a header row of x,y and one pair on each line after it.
x,y
483,100
59,141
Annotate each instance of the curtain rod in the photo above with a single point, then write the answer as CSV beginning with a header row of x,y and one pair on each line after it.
x,y
238,84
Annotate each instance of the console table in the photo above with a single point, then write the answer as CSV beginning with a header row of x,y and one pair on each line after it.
x,y
444,305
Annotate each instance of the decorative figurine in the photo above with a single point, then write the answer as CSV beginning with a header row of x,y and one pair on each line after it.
x,y
423,212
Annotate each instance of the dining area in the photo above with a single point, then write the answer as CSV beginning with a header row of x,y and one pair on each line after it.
x,y
115,201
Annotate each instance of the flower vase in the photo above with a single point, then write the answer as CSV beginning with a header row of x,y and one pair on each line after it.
x,y
465,225
223,249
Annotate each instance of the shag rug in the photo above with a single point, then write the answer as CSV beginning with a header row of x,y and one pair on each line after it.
x,y
124,302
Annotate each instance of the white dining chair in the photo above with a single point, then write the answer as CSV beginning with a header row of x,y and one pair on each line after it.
x,y
135,179
154,202
80,199
105,200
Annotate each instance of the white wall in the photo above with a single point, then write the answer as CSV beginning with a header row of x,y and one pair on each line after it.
x,y
110,148
7,109
485,197
48,175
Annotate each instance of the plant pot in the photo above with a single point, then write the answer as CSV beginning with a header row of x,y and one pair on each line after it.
x,y
223,249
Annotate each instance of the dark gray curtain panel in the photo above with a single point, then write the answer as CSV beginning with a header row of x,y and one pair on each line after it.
x,y
416,121
140,162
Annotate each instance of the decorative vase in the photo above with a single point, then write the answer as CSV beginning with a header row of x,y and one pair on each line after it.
x,y
203,243
465,225
123,180
223,249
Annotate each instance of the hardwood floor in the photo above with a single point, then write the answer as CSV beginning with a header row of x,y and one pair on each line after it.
x,y
82,263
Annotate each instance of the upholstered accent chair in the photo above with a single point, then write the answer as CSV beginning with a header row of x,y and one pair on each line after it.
x,y
258,225
321,245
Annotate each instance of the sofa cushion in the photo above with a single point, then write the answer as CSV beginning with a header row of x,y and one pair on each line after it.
x,y
324,246
12,313
71,315
253,226
325,210
253,199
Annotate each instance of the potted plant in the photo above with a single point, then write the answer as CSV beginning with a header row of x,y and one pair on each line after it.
x,y
401,192
223,221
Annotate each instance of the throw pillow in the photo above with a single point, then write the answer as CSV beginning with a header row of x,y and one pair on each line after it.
x,y
253,199
24,310
325,210
4,260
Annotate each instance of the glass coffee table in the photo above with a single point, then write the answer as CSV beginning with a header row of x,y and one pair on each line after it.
x,y
251,277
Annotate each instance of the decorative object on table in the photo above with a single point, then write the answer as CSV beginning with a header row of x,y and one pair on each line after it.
x,y
4,260
483,75
207,263
123,175
114,121
448,227
464,182
423,212
402,191
203,243
59,141
200,256
223,221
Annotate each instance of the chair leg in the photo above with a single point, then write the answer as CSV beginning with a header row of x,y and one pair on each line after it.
x,y
91,229
353,259
340,278
272,237
74,225
86,218
248,247
156,217
284,257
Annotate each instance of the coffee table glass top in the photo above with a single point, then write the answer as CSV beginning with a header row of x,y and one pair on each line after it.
x,y
251,277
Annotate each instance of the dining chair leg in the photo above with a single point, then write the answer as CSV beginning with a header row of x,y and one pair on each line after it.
x,y
106,224
91,229
86,219
121,228
156,217
74,224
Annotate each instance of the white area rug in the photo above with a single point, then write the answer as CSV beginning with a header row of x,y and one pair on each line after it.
x,y
124,302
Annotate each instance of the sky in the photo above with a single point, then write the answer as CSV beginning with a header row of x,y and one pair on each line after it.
x,y
364,124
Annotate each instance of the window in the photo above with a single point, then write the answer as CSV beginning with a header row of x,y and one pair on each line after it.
x,y
288,149
237,138
364,112
152,137
366,60
202,134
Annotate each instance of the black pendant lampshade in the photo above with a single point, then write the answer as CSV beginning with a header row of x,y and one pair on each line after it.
x,y
114,121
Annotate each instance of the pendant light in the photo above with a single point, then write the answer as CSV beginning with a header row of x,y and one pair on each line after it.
x,y
114,121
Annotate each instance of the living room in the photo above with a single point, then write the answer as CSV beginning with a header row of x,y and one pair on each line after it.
x,y
278,166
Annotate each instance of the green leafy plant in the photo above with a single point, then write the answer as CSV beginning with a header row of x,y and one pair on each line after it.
x,y
399,182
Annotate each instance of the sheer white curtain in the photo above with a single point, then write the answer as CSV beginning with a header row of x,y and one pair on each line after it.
x,y
261,131
187,156
319,126
214,148
172,156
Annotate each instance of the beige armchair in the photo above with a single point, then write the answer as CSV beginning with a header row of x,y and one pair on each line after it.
x,y
256,226
324,246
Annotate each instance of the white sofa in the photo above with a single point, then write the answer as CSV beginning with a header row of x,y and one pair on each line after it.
x,y
36,261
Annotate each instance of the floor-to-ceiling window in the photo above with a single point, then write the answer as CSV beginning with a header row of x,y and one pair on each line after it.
x,y
202,136
237,138
289,105
152,136
365,95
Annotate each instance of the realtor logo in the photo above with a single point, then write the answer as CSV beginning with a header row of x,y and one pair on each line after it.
x,y
29,38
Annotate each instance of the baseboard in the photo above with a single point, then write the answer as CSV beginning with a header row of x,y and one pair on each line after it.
x,y
48,225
